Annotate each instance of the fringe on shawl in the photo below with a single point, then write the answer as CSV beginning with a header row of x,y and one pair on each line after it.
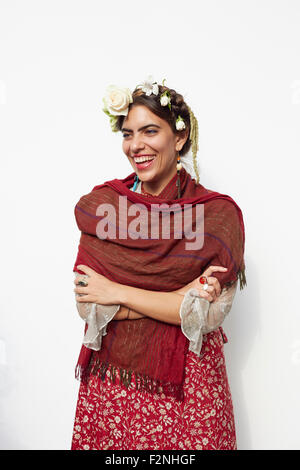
x,y
143,382
242,278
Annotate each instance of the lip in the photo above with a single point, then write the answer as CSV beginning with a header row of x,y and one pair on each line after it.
x,y
143,165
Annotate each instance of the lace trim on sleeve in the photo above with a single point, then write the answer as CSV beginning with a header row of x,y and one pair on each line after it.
x,y
97,317
199,316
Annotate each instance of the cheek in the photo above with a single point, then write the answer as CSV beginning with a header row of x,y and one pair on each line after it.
x,y
125,147
159,144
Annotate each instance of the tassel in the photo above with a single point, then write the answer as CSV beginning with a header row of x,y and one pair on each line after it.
x,y
102,371
242,279
125,376
143,382
113,372
178,168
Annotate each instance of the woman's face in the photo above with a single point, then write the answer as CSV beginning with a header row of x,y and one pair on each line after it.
x,y
151,147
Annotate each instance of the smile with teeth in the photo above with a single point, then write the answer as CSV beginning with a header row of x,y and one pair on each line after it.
x,y
143,159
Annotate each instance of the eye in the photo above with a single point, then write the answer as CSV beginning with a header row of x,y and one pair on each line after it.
x,y
151,131
125,135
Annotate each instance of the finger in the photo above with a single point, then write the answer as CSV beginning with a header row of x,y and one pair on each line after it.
x,y
212,269
85,269
211,291
215,282
80,290
205,295
78,280
84,298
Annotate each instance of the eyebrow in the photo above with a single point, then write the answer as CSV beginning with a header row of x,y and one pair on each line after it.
x,y
141,128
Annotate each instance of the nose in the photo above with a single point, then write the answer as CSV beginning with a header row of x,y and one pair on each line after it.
x,y
137,144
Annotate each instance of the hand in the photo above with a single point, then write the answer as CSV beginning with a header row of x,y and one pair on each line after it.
x,y
99,290
214,288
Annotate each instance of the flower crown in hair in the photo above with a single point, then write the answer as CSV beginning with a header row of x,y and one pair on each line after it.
x,y
117,100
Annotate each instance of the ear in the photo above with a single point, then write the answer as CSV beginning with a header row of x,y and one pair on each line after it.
x,y
181,138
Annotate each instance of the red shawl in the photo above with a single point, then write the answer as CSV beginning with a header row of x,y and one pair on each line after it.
x,y
153,350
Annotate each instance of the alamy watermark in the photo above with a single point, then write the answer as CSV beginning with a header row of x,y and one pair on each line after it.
x,y
136,221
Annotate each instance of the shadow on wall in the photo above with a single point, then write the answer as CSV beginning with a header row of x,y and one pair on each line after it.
x,y
241,326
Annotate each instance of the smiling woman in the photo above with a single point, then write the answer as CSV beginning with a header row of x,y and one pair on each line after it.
x,y
152,366
149,131
151,147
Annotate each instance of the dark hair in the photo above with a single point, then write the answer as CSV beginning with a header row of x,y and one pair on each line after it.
x,y
152,102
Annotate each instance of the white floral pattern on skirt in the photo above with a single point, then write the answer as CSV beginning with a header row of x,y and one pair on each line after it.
x,y
109,416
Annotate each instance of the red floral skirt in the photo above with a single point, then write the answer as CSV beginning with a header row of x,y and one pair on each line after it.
x,y
110,416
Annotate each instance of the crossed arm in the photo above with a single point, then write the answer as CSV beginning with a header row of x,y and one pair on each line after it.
x,y
163,306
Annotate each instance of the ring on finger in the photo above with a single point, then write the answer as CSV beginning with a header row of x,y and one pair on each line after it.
x,y
82,282
203,280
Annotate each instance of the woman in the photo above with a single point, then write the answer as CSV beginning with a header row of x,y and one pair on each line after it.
x,y
152,367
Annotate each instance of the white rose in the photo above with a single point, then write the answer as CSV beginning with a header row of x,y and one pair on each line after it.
x,y
117,100
180,125
155,89
164,100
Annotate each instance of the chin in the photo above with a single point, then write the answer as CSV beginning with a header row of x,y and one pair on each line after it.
x,y
144,176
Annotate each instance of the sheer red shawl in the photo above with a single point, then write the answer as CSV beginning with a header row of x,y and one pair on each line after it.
x,y
154,351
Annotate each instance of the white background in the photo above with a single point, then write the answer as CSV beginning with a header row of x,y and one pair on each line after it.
x,y
237,65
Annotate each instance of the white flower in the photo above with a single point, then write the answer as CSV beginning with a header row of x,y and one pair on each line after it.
x,y
164,100
155,89
149,86
117,100
180,124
